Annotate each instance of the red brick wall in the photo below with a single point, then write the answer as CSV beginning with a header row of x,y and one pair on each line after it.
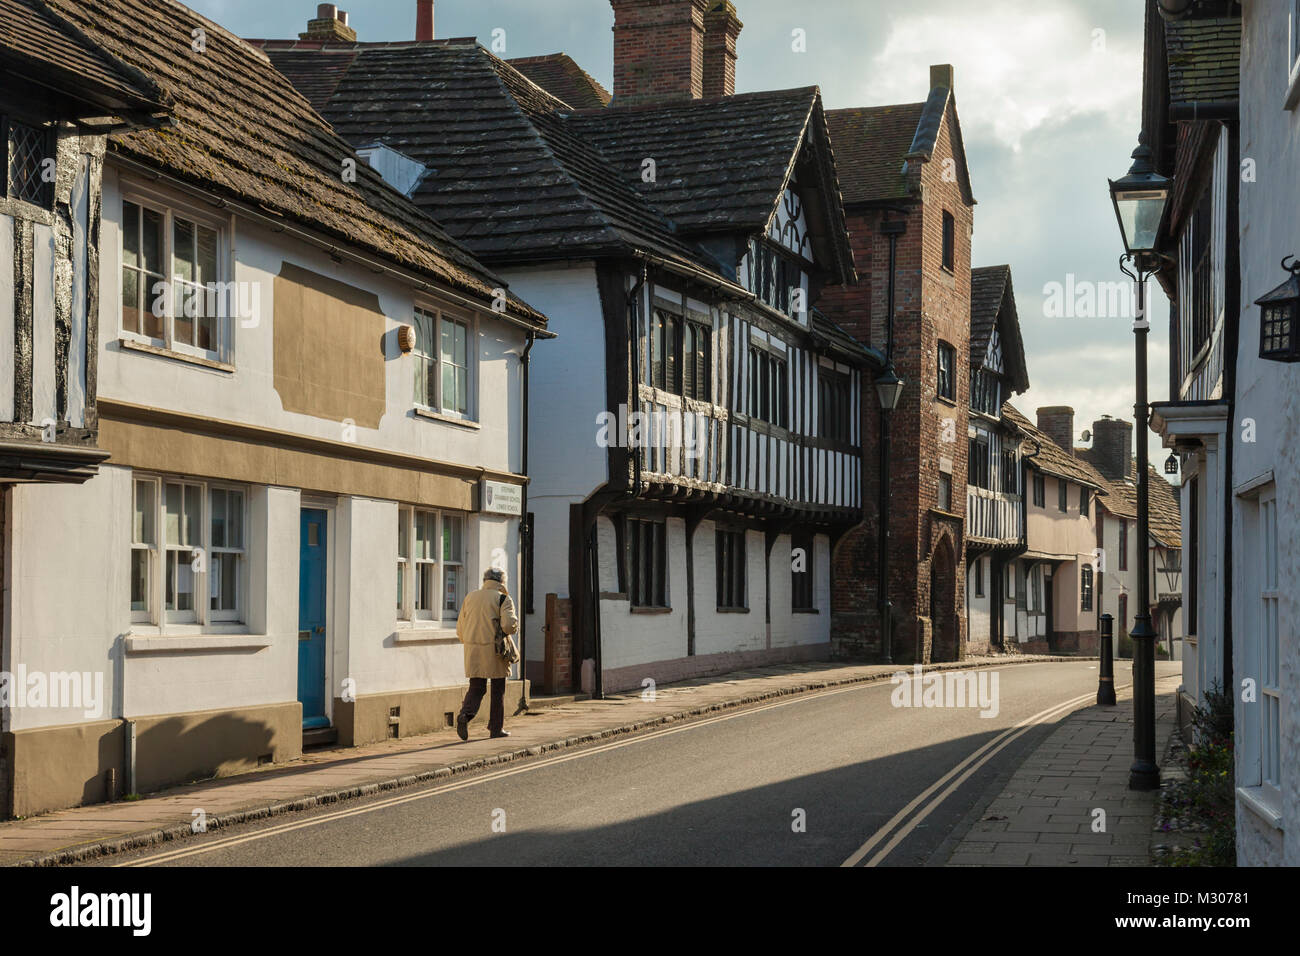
x,y
658,50
931,303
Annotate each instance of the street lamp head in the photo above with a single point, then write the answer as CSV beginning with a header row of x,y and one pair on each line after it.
x,y
1140,199
889,388
1279,337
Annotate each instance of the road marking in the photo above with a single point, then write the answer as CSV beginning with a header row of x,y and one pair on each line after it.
x,y
485,778
970,765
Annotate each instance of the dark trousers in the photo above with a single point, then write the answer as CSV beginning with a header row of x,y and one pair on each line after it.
x,y
496,709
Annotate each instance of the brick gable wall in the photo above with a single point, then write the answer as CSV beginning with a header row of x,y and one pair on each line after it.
x,y
931,304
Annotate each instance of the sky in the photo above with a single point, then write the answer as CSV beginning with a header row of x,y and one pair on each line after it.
x,y
1048,92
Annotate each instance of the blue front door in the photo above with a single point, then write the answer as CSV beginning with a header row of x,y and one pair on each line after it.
x,y
311,619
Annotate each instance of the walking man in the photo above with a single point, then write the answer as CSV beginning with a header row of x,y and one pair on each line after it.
x,y
476,629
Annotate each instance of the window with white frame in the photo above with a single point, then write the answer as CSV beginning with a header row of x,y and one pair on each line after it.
x,y
430,565
187,551
444,367
172,284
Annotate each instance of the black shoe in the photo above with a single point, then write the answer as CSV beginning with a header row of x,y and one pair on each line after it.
x,y
500,733
462,727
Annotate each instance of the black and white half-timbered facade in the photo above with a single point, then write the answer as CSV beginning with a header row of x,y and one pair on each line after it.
x,y
59,100
694,448
995,492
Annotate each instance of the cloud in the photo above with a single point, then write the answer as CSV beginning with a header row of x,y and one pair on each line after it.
x,y
1020,66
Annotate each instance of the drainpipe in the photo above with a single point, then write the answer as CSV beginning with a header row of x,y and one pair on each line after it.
x,y
893,230
525,530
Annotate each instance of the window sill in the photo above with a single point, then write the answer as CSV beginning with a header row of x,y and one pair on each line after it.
x,y
154,642
447,419
651,610
424,632
134,346
733,610
804,610
944,400
1262,804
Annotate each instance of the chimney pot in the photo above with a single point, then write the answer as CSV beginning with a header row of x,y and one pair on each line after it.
x,y
424,20
329,25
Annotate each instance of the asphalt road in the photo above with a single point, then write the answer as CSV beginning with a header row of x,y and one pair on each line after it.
x,y
805,781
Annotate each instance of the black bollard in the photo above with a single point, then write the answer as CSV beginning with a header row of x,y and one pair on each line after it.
x,y
1106,680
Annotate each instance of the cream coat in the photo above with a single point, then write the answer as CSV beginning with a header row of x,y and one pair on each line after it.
x,y
475,629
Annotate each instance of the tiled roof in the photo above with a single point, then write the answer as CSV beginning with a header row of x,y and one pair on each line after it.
x,y
874,145
560,76
507,175
723,163
32,39
243,131
1051,457
1166,521
1204,60
992,291
871,146
987,287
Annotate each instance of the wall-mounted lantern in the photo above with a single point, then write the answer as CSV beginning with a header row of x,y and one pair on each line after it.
x,y
1278,340
1171,464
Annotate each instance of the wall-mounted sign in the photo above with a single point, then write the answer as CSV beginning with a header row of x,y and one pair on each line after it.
x,y
500,498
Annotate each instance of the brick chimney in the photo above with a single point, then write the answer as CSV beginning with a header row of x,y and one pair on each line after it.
x,y
1112,447
943,75
721,29
1058,422
331,23
658,50
424,19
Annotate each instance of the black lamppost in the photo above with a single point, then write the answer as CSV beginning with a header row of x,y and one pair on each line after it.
x,y
889,389
1140,199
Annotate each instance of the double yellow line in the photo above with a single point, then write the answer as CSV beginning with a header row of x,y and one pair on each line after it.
x,y
962,772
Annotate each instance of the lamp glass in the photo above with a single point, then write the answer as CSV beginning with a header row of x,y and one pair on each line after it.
x,y
1140,213
889,389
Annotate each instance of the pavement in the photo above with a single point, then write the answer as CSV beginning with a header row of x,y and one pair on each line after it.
x,y
325,777
1069,804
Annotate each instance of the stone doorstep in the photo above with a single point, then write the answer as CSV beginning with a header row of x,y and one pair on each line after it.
x,y
765,689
